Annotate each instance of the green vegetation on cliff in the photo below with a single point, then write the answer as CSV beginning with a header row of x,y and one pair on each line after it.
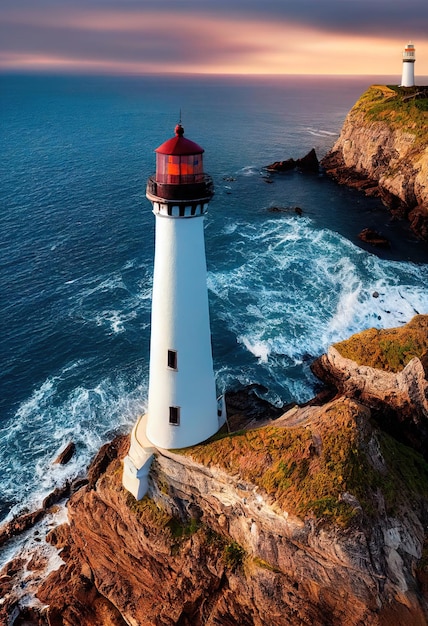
x,y
404,108
322,468
330,463
390,349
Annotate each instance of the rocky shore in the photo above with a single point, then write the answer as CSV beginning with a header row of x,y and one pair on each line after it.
x,y
383,150
314,516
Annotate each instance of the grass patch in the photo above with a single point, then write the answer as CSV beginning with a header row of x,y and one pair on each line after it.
x,y
265,565
233,555
214,539
147,510
403,108
390,349
307,470
180,530
285,463
155,517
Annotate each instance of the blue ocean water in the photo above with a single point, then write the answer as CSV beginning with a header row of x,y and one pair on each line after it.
x,y
77,245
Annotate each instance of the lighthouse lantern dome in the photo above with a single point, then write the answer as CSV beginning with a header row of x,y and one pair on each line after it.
x,y
180,176
179,160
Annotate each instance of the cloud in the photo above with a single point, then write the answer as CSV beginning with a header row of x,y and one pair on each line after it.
x,y
358,17
308,36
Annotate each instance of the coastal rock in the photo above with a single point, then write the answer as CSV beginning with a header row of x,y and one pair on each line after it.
x,y
373,238
383,151
208,547
398,400
9,609
247,406
305,515
26,520
418,222
285,209
66,454
308,163
19,524
282,166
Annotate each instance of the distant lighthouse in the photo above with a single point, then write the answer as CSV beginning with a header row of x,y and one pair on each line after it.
x,y
409,58
182,404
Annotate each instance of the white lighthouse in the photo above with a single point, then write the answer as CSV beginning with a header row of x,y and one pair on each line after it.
x,y
182,403
409,58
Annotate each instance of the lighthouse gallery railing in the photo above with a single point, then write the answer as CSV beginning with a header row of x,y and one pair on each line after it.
x,y
183,190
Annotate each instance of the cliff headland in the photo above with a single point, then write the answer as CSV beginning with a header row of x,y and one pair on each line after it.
x,y
383,150
317,516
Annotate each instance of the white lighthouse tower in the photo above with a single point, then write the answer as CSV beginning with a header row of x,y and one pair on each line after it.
x,y
409,58
182,403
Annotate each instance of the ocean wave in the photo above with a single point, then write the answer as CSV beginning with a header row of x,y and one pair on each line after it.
x,y
50,418
249,170
321,133
297,289
31,540
96,300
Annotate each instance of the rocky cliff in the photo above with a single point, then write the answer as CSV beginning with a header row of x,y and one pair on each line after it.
x,y
383,149
386,370
317,516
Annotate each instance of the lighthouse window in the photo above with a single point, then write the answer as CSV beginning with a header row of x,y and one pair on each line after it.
x,y
174,415
172,359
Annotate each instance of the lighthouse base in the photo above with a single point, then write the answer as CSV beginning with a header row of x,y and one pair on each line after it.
x,y
136,465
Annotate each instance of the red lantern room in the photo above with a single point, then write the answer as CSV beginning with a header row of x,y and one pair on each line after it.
x,y
179,160
179,171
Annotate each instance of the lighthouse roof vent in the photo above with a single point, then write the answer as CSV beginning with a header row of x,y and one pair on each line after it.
x,y
179,145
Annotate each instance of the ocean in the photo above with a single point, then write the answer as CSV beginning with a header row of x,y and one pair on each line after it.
x,y
77,245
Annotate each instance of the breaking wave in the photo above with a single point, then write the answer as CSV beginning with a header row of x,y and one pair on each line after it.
x,y
294,290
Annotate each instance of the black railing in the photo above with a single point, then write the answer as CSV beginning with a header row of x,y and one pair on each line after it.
x,y
201,190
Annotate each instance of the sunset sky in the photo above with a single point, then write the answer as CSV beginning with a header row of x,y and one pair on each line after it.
x,y
213,36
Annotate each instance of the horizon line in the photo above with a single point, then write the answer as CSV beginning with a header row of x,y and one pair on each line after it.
x,y
82,72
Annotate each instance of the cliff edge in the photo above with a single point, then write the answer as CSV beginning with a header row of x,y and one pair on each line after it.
x,y
383,150
317,516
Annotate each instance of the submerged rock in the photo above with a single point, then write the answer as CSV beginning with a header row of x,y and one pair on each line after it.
x,y
373,238
285,209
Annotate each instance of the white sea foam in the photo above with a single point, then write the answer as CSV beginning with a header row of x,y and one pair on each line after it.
x,y
250,170
43,424
230,227
322,290
32,544
129,264
97,299
321,133
260,349
115,319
